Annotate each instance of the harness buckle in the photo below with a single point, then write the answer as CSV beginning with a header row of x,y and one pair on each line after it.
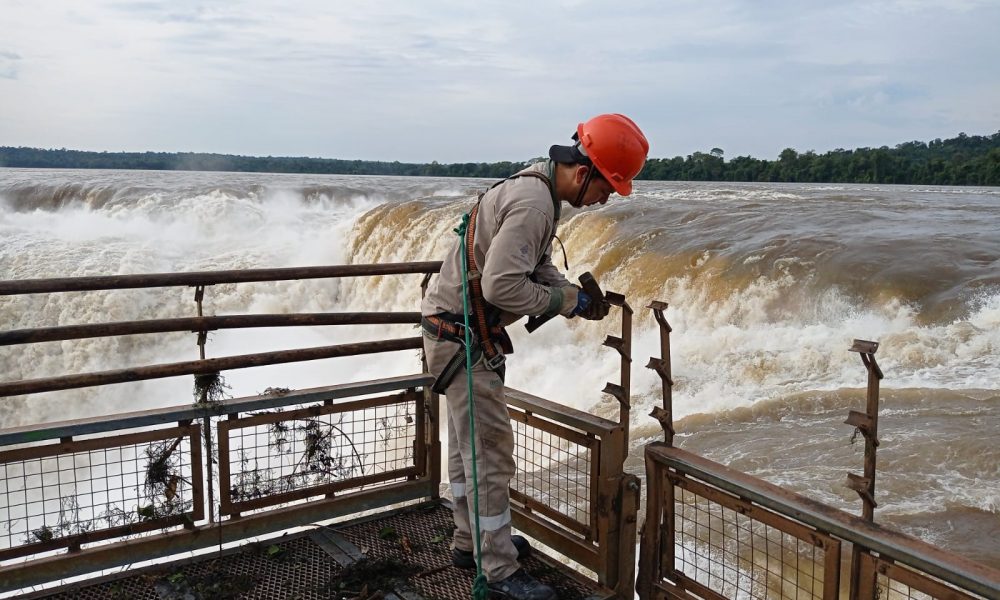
x,y
494,363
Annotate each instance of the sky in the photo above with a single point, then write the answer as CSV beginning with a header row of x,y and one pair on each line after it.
x,y
417,81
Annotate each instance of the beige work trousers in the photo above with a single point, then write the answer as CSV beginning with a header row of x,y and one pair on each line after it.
x,y
494,456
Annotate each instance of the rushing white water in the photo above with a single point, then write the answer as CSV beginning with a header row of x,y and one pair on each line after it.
x,y
767,285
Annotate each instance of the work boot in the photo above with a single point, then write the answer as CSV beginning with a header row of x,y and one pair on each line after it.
x,y
465,559
521,586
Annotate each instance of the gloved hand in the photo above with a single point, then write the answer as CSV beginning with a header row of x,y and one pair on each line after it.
x,y
594,310
570,300
583,302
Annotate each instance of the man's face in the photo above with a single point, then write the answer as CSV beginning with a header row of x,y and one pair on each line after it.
x,y
599,190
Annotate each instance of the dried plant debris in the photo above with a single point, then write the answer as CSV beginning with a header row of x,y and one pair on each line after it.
x,y
162,483
278,436
42,534
370,578
252,482
210,389
70,522
324,456
275,391
214,583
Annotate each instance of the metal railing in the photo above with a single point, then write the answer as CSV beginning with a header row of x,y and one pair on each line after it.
x,y
712,532
90,494
115,498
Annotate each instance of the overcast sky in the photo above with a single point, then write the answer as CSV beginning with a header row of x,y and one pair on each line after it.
x,y
423,80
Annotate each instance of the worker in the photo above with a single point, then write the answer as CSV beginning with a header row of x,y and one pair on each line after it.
x,y
510,275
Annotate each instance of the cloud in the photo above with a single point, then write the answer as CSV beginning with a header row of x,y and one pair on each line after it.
x,y
451,81
8,64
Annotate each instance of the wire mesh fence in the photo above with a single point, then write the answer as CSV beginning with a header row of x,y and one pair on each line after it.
x,y
886,580
63,495
556,470
713,532
724,544
287,455
739,557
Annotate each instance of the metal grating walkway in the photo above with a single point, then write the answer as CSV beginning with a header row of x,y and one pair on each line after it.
x,y
412,545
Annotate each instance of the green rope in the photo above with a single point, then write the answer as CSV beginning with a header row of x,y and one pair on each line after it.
x,y
480,591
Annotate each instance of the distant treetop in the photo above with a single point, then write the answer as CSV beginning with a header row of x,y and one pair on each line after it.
x,y
962,160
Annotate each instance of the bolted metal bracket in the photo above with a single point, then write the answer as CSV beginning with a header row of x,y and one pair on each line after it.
x,y
864,424
658,307
618,344
863,486
864,347
867,350
660,366
618,392
615,299
666,420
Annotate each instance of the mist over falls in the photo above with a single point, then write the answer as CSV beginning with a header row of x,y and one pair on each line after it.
x,y
767,286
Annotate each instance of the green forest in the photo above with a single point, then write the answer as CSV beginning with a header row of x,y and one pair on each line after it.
x,y
962,160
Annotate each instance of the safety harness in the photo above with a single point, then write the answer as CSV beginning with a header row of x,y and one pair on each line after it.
x,y
490,341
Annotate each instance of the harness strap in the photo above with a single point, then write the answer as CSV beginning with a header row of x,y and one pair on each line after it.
x,y
454,367
446,326
493,358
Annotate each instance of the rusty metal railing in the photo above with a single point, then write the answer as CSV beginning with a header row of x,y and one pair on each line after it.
x,y
89,494
98,489
115,498
64,495
712,532
570,490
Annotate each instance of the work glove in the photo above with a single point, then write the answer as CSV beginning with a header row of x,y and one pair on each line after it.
x,y
592,310
570,300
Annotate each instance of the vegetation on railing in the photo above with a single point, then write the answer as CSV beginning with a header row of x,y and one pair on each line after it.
x,y
161,498
255,482
317,463
163,476
210,389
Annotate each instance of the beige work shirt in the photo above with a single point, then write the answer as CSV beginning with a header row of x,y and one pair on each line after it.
x,y
514,230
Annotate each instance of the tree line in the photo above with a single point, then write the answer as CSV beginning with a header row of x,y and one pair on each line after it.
x,y
962,160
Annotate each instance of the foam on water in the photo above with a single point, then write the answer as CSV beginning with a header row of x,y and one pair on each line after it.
x,y
763,305
163,230
738,338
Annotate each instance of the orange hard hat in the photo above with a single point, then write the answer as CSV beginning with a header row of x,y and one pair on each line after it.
x,y
617,148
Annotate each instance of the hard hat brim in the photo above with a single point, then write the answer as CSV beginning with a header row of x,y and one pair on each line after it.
x,y
571,155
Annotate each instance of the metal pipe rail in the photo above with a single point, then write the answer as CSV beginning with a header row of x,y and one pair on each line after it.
x,y
198,324
890,544
202,278
201,324
208,365
173,414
